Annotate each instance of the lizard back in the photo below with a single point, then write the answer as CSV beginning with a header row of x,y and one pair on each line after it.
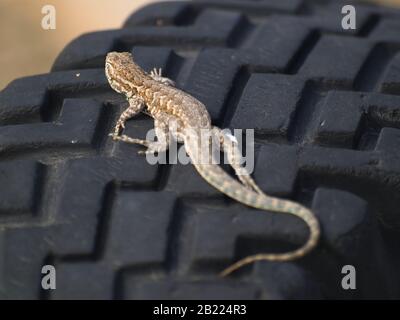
x,y
127,77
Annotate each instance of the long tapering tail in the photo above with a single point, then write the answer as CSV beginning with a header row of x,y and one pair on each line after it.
x,y
223,182
219,179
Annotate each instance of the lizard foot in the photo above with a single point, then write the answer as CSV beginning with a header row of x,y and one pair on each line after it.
x,y
125,138
154,147
156,74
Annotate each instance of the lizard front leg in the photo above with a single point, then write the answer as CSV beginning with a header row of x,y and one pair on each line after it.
x,y
136,104
156,74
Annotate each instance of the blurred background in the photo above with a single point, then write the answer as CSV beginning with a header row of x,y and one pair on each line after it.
x,y
27,49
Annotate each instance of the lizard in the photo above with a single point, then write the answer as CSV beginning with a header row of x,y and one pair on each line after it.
x,y
158,97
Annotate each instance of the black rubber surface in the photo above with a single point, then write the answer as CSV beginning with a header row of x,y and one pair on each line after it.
x,y
325,103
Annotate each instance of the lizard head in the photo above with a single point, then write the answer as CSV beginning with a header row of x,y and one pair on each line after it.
x,y
123,74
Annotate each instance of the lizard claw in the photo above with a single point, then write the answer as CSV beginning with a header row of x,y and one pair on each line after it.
x,y
156,72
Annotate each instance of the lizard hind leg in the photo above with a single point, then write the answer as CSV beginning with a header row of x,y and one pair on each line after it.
x,y
230,147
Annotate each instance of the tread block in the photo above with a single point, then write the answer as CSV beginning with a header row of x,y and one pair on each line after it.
x,y
353,120
134,215
40,97
348,53
277,169
19,187
339,119
388,142
75,281
350,214
272,99
214,34
387,30
159,14
353,233
286,281
23,256
185,13
65,133
391,79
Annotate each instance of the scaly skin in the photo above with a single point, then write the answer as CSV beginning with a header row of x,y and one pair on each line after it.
x,y
164,103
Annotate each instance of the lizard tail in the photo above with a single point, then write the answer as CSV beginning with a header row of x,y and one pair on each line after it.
x,y
219,179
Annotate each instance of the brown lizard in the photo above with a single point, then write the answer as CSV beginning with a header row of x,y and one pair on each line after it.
x,y
158,97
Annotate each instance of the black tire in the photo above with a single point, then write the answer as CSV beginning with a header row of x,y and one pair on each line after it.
x,y
326,108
